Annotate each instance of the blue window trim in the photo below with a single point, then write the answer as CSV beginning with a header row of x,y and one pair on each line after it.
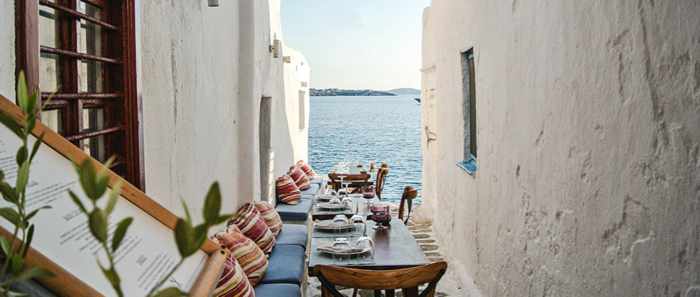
x,y
469,165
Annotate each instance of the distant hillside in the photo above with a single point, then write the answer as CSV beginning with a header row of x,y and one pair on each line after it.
x,y
341,92
405,91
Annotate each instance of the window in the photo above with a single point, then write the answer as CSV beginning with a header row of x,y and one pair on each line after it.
x,y
302,110
468,163
86,66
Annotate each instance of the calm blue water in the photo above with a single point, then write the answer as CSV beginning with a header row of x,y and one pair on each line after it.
x,y
368,128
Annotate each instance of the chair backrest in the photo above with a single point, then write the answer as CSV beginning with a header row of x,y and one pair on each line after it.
x,y
349,177
408,279
381,177
409,193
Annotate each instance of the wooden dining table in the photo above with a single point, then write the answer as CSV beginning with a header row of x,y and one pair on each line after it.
x,y
394,248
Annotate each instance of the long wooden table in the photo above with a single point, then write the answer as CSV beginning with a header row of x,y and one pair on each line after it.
x,y
393,248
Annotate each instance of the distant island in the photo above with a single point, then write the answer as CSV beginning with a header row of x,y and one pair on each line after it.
x,y
343,92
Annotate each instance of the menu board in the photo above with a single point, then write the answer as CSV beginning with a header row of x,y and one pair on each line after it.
x,y
147,253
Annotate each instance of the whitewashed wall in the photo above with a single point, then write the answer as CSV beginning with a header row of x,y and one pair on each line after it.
x,y
7,44
588,116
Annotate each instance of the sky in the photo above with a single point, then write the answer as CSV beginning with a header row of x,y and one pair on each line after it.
x,y
357,44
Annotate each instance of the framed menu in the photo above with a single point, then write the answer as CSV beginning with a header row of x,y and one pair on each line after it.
x,y
62,241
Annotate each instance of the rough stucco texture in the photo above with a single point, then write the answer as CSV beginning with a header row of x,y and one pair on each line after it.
x,y
189,89
7,42
588,116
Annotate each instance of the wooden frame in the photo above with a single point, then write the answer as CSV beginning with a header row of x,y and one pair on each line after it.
x,y
66,284
119,98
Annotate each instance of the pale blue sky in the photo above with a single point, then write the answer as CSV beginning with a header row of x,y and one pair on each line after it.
x,y
357,44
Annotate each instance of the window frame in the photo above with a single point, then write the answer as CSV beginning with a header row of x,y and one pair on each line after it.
x,y
469,141
119,81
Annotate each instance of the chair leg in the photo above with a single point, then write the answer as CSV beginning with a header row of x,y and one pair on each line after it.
x,y
354,292
377,293
389,293
410,292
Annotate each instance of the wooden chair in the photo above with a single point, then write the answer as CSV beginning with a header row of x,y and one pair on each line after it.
x,y
409,193
381,178
357,180
407,279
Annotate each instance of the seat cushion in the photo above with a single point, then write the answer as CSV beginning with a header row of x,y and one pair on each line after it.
x,y
311,191
277,290
286,265
297,212
248,254
249,221
287,191
233,281
270,215
293,234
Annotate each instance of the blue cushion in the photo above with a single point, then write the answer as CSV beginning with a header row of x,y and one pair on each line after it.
x,y
277,290
311,191
297,212
286,265
293,234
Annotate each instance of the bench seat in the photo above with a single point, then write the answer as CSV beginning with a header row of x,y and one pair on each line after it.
x,y
293,234
286,265
277,290
297,212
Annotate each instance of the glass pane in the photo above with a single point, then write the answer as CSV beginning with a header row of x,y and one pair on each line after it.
x,y
89,37
90,10
48,72
47,26
52,119
95,147
90,76
93,119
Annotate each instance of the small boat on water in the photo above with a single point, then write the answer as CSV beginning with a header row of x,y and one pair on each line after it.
x,y
417,100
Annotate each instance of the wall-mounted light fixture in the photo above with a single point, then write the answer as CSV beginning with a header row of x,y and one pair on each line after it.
x,y
213,3
276,48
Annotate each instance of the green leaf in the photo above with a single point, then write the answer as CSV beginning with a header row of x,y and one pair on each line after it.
x,y
184,237
87,179
188,218
5,245
200,236
35,147
120,232
11,124
16,263
34,212
77,201
31,107
2,175
8,193
113,198
32,273
111,276
170,292
28,243
11,215
22,177
212,204
21,155
98,225
22,92
101,182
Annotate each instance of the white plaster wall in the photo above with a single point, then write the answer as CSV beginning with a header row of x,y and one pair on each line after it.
x,y
297,79
588,116
7,43
190,91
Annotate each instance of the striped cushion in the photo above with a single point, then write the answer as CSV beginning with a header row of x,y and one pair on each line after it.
x,y
299,178
247,253
233,282
306,168
271,217
248,220
287,190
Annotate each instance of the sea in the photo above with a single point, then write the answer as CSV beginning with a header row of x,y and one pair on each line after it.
x,y
365,128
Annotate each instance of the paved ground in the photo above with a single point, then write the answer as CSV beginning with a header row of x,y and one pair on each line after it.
x,y
423,232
